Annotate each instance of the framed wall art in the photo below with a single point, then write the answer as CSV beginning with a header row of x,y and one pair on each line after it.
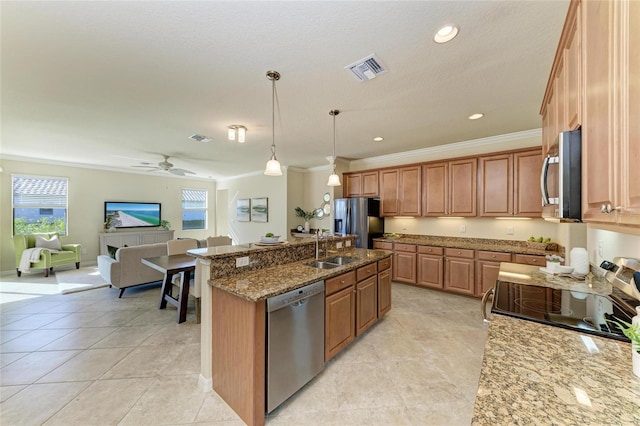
x,y
260,209
243,210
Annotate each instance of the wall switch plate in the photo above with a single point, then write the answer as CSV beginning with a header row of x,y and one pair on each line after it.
x,y
600,248
347,243
463,229
339,245
509,230
242,261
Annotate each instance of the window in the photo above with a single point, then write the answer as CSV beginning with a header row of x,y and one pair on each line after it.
x,y
39,204
194,209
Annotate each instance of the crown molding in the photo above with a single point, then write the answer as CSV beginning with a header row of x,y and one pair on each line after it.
x,y
474,143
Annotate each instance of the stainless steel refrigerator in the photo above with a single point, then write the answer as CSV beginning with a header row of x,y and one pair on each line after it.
x,y
359,217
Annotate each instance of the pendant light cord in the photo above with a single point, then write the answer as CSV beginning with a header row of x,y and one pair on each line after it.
x,y
273,117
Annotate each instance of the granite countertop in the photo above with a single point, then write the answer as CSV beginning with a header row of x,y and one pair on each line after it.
x,y
506,246
538,374
240,249
261,284
532,275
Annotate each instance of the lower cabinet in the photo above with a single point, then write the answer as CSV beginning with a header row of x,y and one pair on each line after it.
x,y
488,269
384,290
430,267
459,271
353,302
404,263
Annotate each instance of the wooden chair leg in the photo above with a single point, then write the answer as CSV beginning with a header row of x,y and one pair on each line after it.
x,y
198,310
121,292
46,272
18,272
77,265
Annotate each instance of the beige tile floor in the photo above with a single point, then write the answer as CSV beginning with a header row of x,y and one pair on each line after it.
x,y
90,358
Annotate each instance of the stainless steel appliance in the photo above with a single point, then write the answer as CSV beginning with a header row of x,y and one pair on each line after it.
x,y
359,217
561,179
585,312
295,341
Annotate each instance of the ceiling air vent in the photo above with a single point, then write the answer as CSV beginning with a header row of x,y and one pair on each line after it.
x,y
367,68
200,138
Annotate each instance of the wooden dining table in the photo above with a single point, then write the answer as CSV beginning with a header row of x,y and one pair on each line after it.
x,y
170,266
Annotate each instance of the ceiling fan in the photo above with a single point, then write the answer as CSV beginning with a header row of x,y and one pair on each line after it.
x,y
166,166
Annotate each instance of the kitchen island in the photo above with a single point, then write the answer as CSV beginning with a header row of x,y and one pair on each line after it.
x,y
534,373
234,315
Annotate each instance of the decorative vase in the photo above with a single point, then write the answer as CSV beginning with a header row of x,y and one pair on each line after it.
x,y
112,229
306,226
552,266
635,360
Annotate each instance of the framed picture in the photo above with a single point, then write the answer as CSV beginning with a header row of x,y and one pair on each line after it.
x,y
243,210
260,209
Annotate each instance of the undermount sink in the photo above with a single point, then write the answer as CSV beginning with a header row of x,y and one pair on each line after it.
x,y
341,260
322,265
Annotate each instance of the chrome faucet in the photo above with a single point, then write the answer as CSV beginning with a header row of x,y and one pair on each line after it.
x,y
317,243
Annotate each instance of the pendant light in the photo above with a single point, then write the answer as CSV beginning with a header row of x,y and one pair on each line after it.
x,y
273,165
334,179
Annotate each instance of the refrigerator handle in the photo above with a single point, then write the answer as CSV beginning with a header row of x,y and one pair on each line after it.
x,y
348,221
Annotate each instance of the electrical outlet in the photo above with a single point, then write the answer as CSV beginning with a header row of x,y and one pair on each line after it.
x,y
242,261
339,245
463,229
509,230
347,243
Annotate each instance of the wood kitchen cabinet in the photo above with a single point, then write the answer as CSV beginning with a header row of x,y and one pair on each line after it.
x,y
430,267
384,286
449,188
401,191
488,269
340,313
361,184
530,259
366,303
382,245
509,184
404,263
459,271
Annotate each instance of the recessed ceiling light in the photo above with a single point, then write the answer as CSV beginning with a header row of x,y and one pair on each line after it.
x,y
199,138
476,116
378,139
445,34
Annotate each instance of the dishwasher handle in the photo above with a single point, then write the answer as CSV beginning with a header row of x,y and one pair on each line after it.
x,y
483,304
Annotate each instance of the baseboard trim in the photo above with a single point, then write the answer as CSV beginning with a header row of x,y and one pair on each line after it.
x,y
205,385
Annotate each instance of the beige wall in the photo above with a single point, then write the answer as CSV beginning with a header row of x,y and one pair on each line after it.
x,y
254,186
88,190
614,244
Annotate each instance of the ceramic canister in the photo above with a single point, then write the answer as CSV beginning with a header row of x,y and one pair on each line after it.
x,y
579,260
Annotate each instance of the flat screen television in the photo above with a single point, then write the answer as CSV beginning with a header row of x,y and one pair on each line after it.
x,y
131,214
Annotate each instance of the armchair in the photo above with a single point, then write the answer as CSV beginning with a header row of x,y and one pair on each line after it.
x,y
69,253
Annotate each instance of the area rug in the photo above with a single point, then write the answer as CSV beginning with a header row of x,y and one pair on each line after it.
x,y
82,279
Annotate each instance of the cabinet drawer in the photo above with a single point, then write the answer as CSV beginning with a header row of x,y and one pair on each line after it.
x,y
366,271
453,252
437,251
410,248
338,283
529,259
384,264
382,245
495,256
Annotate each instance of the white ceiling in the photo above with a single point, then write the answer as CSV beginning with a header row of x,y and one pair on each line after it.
x,y
114,84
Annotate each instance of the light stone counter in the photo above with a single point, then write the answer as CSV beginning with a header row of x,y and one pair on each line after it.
x,y
537,374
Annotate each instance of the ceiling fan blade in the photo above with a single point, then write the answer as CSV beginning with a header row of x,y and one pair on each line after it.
x,y
176,172
183,171
148,167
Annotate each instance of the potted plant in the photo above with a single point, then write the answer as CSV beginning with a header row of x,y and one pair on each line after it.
x,y
632,331
553,261
165,224
307,216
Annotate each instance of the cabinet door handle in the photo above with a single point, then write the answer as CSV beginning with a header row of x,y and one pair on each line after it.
x,y
494,256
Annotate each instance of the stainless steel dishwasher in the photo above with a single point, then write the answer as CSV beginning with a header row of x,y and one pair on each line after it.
x,y
295,341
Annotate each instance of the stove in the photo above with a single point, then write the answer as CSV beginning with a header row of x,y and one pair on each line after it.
x,y
585,312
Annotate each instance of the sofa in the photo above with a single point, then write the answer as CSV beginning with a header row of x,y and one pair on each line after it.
x,y
56,255
126,268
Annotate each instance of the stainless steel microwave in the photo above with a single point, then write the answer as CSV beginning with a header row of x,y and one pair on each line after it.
x,y
561,179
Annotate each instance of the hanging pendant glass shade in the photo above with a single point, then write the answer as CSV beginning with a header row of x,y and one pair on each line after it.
x,y
273,165
334,179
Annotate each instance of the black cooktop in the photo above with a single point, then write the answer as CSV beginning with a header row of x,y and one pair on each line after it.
x,y
584,312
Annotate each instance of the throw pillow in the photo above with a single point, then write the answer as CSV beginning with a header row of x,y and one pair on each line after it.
x,y
112,251
52,244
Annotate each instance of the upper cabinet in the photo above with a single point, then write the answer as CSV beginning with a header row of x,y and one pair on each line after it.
x,y
449,188
509,184
597,69
400,191
361,184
